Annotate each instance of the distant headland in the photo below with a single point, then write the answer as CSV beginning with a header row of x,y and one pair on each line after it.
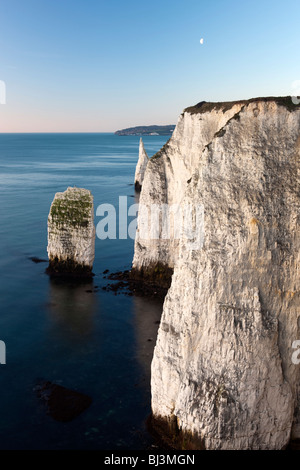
x,y
147,130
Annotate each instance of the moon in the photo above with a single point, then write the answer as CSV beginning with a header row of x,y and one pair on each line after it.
x,y
201,41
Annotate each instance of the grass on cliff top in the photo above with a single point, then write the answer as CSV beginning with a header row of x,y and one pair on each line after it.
x,y
75,212
206,107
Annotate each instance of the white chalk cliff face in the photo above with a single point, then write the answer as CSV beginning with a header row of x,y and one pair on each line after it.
x,y
141,166
71,231
166,177
222,367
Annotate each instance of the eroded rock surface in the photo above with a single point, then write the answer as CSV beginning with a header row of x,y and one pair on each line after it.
x,y
71,233
140,167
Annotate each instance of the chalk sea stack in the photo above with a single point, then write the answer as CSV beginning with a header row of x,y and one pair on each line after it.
x,y
222,373
71,234
140,167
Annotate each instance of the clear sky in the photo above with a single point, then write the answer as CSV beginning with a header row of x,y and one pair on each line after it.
x,y
98,66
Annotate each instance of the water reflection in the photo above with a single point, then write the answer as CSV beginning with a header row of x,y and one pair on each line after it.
x,y
72,307
147,314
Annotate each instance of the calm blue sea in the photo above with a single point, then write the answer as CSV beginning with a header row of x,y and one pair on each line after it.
x,y
96,343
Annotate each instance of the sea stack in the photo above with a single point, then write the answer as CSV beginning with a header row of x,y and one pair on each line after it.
x,y
141,167
71,233
224,374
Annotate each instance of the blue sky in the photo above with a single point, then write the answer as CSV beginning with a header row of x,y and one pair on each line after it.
x,y
98,66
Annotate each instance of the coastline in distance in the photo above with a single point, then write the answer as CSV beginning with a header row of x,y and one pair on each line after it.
x,y
147,130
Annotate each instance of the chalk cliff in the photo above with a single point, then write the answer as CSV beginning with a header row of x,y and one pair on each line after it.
x,y
141,166
71,232
168,172
222,372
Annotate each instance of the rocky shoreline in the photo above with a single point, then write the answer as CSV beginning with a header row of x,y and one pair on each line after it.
x,y
131,283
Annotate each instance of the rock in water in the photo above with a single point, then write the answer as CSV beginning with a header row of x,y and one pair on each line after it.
x,y
141,166
71,233
62,403
222,372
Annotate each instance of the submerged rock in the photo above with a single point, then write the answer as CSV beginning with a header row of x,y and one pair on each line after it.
x,y
141,167
71,233
139,284
62,403
222,372
37,260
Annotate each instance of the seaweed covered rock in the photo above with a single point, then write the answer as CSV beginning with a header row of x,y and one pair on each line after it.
x,y
71,233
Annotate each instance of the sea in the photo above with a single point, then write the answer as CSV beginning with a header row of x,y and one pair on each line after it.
x,y
75,335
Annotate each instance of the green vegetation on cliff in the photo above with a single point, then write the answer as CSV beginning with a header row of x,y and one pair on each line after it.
x,y
205,107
